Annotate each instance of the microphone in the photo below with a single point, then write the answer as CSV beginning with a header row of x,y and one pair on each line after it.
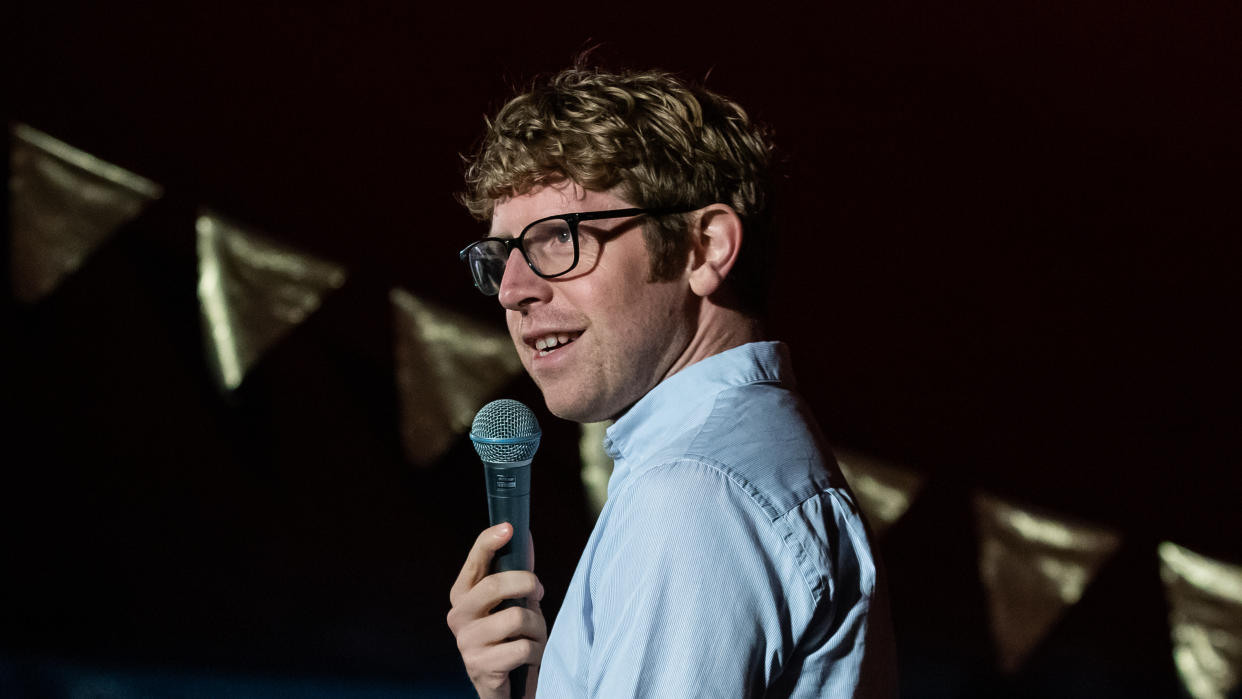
x,y
505,435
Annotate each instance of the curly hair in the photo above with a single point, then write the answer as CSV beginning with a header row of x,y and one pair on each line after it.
x,y
661,142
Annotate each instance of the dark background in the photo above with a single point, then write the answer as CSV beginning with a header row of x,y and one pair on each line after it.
x,y
1009,262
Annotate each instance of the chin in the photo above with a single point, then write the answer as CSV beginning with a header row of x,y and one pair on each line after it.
x,y
573,413
574,408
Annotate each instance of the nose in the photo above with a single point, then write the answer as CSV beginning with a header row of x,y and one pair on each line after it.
x,y
520,286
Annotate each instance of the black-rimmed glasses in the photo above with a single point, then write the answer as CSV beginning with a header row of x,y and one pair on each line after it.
x,y
552,247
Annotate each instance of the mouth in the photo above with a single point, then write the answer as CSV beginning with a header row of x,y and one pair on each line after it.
x,y
546,344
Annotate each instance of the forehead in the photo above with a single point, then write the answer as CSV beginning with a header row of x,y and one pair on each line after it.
x,y
512,214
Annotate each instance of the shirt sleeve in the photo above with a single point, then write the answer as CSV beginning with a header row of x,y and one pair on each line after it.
x,y
688,590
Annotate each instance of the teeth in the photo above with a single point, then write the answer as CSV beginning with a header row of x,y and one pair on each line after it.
x,y
547,343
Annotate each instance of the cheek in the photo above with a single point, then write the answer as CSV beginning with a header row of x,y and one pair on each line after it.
x,y
643,323
514,325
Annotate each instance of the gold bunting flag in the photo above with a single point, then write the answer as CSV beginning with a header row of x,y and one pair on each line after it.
x,y
596,464
884,490
448,366
1205,617
64,204
252,291
1034,567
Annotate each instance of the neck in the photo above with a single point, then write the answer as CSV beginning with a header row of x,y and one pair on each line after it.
x,y
719,329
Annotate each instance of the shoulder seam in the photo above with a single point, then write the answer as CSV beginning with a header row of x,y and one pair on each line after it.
x,y
810,575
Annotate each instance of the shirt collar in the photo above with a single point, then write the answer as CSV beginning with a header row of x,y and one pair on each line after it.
x,y
688,394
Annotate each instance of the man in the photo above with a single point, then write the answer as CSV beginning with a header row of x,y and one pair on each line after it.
x,y
628,216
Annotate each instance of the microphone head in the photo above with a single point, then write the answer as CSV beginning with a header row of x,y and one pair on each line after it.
x,y
505,431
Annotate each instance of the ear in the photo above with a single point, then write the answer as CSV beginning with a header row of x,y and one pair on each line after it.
x,y
716,235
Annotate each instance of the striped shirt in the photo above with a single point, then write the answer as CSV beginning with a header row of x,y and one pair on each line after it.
x,y
730,559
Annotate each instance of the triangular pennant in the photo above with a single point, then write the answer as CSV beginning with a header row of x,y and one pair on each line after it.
x,y
252,291
1205,616
448,366
1034,566
596,463
884,490
64,204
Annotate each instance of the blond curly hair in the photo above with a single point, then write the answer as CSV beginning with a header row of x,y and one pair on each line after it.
x,y
660,141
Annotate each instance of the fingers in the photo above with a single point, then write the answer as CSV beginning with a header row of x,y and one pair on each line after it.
x,y
501,628
494,641
494,645
480,557
501,642
502,658
481,599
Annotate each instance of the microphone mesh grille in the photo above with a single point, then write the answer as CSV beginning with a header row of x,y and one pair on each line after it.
x,y
505,419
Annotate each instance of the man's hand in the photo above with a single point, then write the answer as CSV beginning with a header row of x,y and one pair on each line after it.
x,y
493,643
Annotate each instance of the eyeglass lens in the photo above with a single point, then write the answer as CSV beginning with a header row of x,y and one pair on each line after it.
x,y
549,247
487,264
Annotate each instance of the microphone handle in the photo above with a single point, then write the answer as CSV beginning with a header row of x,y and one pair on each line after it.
x,y
508,500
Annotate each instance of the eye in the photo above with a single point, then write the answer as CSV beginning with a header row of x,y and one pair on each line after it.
x,y
564,237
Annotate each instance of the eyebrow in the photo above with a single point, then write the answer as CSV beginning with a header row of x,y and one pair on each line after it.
x,y
495,234
511,236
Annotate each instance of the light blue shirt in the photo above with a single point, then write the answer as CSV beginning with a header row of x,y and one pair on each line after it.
x,y
730,559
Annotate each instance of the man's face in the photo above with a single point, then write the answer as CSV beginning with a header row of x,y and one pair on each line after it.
x,y
613,335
